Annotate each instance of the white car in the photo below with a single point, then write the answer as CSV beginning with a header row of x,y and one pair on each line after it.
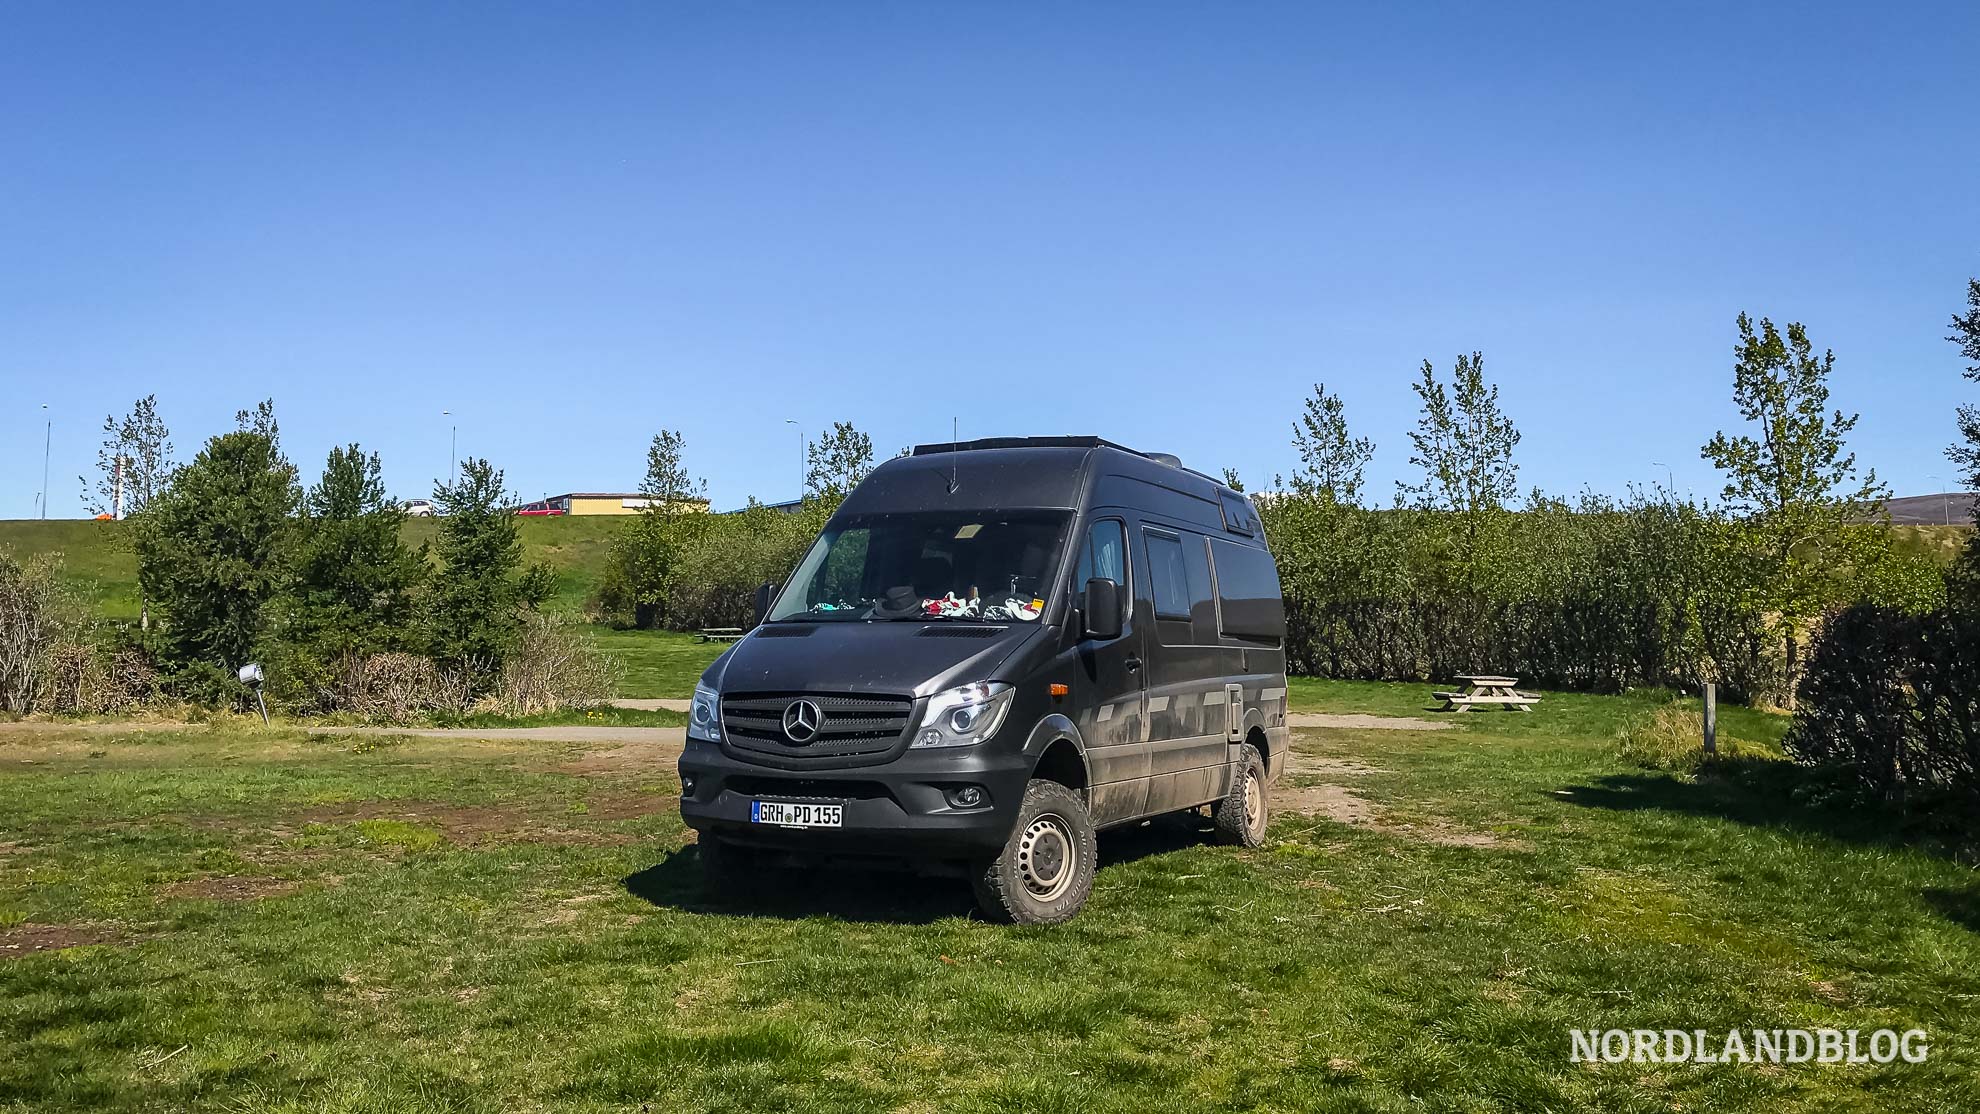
x,y
420,508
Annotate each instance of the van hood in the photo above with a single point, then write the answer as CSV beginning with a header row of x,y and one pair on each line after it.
x,y
860,657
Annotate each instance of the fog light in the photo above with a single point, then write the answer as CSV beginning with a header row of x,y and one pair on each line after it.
x,y
969,796
687,786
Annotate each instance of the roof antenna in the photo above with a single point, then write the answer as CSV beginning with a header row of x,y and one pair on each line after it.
x,y
955,446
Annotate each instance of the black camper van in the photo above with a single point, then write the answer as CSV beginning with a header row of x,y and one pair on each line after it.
x,y
994,649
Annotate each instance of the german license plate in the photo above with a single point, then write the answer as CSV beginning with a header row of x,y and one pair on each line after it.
x,y
790,814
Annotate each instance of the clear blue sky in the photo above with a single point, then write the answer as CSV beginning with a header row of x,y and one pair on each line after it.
x,y
574,224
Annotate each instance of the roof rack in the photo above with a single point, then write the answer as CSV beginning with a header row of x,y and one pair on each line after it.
x,y
1020,443
1169,459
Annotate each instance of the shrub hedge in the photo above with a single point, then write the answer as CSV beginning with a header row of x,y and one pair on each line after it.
x,y
1891,701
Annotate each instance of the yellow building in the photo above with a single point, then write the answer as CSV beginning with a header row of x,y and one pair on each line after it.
x,y
606,502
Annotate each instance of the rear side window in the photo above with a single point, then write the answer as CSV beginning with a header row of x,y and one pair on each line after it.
x,y
1169,573
1248,592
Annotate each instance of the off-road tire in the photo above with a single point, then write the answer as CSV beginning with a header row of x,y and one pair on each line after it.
x,y
1242,815
1045,871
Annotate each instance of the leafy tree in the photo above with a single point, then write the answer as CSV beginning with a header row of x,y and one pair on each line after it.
x,y
836,462
212,552
646,551
481,587
260,420
1795,486
134,462
355,582
1966,334
135,459
668,482
1331,463
1964,581
1463,442
1231,479
1331,563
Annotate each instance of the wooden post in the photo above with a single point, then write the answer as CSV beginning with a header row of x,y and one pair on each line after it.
x,y
1711,721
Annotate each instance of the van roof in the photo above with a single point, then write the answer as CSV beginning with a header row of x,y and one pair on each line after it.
x,y
1040,473
1069,442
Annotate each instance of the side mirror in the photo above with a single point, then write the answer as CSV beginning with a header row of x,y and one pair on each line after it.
x,y
764,593
1100,612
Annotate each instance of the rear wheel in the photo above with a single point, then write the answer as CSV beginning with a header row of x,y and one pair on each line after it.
x,y
1241,816
1045,871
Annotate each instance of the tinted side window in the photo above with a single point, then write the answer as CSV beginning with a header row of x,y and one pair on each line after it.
x,y
1202,600
1248,587
1169,573
1104,555
1237,513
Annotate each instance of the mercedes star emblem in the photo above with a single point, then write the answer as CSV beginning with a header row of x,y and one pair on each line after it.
x,y
801,720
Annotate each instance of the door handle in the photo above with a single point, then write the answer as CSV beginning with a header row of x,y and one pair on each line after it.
x,y
1133,664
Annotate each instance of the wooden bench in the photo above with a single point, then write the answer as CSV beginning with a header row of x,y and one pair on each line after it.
x,y
1487,690
720,634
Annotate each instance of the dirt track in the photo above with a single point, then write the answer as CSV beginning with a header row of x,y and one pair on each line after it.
x,y
671,737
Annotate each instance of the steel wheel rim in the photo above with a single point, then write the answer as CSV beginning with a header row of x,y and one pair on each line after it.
x,y
1254,806
1047,858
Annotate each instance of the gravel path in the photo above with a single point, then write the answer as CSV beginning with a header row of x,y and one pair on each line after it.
x,y
1364,721
667,736
573,733
664,704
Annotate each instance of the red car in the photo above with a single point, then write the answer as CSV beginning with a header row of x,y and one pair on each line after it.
x,y
540,509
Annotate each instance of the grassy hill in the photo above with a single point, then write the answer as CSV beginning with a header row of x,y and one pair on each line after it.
x,y
98,562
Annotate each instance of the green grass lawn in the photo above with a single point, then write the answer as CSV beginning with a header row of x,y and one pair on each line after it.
x,y
263,922
657,663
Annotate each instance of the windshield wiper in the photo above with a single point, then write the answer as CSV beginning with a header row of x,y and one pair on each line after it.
x,y
930,618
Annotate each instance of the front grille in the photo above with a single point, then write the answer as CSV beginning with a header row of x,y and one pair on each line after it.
x,y
849,725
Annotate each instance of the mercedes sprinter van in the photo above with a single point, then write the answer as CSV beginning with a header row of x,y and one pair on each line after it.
x,y
995,649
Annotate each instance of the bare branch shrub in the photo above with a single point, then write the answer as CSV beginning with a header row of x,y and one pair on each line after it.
x,y
86,680
396,688
553,666
35,616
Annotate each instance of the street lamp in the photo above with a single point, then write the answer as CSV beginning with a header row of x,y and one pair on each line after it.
x,y
1945,497
47,434
1670,482
792,422
453,439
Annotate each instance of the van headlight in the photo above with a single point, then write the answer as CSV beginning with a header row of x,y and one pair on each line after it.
x,y
705,715
964,716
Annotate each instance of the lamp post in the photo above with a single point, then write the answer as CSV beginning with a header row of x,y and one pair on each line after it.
x,y
1945,497
792,422
453,439
47,436
1670,481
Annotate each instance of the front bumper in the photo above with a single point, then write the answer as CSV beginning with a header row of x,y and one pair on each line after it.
x,y
898,809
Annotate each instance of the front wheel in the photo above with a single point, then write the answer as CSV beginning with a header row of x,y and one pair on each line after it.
x,y
1045,871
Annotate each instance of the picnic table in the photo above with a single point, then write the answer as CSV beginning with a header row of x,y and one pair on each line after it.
x,y
1485,689
720,634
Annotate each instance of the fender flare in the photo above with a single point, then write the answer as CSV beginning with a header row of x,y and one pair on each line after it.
x,y
1049,730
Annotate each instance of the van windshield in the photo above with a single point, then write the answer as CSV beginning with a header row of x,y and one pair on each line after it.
x,y
969,566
